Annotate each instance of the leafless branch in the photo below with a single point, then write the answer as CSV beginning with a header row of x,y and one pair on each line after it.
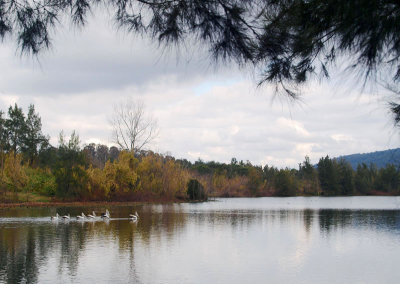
x,y
133,128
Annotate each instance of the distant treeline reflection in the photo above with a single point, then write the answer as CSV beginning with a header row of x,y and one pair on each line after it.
x,y
27,247
33,170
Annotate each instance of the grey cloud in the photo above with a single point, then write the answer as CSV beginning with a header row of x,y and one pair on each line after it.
x,y
202,112
98,58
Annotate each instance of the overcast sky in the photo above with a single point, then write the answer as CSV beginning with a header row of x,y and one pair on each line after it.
x,y
203,111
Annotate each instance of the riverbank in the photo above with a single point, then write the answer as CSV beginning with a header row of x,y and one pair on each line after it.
x,y
81,203
12,200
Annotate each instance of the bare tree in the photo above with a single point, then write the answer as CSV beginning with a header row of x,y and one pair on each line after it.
x,y
133,128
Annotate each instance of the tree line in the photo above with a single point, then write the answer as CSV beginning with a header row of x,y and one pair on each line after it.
x,y
330,177
31,169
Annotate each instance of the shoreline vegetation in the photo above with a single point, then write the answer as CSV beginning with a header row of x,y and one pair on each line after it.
x,y
81,203
33,172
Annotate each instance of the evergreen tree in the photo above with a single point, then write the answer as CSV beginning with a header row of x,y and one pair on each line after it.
x,y
285,183
3,147
16,128
195,190
3,133
69,169
308,174
328,176
388,180
346,178
306,170
33,139
362,179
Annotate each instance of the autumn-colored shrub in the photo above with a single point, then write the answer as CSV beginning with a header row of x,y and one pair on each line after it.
x,y
13,174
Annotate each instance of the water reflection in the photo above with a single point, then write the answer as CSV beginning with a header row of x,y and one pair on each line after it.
x,y
378,220
197,242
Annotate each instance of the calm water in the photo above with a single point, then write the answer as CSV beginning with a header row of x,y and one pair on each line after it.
x,y
261,240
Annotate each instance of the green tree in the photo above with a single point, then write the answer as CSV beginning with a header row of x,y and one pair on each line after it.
x,y
328,176
195,190
364,178
285,183
3,146
3,133
33,140
16,128
69,170
346,177
269,172
388,179
309,177
255,180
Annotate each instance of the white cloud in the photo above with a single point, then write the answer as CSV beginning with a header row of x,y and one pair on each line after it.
x,y
342,137
289,123
7,100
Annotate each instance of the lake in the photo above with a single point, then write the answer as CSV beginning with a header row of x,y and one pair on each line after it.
x,y
238,240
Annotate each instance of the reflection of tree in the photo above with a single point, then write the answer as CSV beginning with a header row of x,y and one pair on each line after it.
x,y
133,275
333,219
308,219
380,220
71,241
21,251
30,261
26,247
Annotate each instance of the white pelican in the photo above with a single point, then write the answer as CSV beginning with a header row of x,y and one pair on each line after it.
x,y
105,215
81,217
66,216
92,216
134,217
55,217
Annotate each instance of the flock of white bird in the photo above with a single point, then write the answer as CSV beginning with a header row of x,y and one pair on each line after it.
x,y
106,215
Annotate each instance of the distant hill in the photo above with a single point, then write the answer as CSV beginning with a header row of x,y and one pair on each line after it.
x,y
379,158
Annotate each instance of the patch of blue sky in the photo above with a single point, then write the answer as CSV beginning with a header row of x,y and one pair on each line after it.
x,y
207,86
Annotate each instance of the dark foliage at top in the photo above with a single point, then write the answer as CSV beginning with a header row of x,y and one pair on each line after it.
x,y
289,40
224,24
